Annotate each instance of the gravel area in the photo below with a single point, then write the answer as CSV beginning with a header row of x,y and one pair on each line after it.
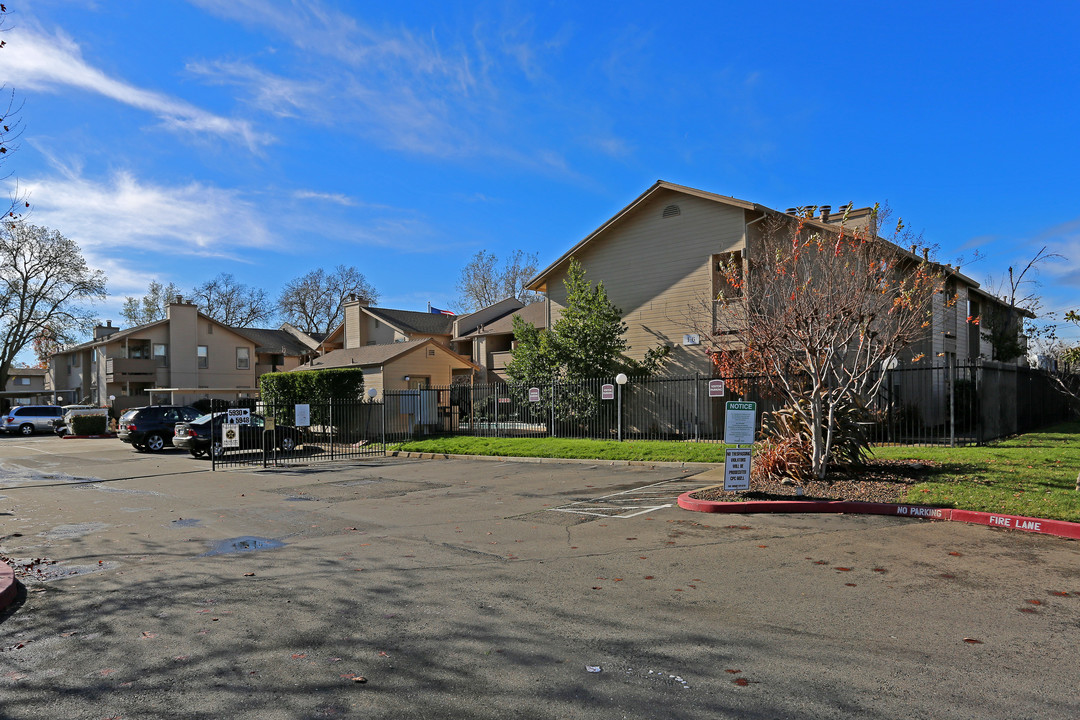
x,y
877,481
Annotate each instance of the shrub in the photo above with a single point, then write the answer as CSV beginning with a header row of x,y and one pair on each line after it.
x,y
785,450
311,385
89,424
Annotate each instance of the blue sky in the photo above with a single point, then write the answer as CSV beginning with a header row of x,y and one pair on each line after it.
x,y
177,140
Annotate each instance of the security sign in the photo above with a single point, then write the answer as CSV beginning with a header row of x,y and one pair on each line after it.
x,y
230,435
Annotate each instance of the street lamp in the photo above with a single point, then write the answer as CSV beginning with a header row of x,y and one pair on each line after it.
x,y
620,380
372,392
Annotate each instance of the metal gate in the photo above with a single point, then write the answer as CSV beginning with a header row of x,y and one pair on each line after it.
x,y
250,433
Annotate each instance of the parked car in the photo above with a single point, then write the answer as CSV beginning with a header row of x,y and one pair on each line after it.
x,y
151,427
62,423
28,419
198,436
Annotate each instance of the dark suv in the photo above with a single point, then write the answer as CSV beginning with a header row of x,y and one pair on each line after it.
x,y
151,427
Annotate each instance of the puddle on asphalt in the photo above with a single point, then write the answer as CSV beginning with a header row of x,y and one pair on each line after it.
x,y
186,522
296,499
242,544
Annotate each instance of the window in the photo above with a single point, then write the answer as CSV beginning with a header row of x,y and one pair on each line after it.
x,y
243,358
209,328
22,381
727,269
75,360
204,357
161,354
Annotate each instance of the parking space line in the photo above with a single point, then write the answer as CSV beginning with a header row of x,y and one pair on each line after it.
x,y
631,503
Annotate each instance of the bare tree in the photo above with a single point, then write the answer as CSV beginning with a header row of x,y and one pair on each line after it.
x,y
1002,326
10,131
152,306
43,278
233,303
315,302
484,282
817,311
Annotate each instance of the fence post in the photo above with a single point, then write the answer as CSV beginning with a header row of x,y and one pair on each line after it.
x,y
553,433
496,410
951,375
330,419
697,420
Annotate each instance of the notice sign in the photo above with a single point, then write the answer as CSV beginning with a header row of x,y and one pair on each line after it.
x,y
736,469
716,388
534,394
740,420
303,415
238,416
607,391
230,435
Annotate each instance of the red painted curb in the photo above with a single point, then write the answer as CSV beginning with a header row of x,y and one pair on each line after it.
x,y
1040,526
8,591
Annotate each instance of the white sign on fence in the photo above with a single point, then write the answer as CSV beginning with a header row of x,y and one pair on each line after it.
x,y
739,422
607,391
238,416
303,415
534,394
716,388
230,435
736,469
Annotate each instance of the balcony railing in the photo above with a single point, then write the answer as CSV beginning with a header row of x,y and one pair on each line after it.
x,y
130,369
499,360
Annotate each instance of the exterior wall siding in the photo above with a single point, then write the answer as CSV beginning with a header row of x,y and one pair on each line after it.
x,y
657,271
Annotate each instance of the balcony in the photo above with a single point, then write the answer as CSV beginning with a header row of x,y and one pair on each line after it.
x,y
499,360
130,370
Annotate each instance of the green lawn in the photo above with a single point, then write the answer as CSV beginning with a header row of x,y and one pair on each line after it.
x,y
1032,474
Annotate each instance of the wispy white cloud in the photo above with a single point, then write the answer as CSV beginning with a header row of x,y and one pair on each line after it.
x,y
406,89
55,63
123,214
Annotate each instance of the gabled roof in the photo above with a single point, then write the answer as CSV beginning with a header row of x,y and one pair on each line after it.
x,y
538,282
269,340
371,355
24,371
412,322
121,334
535,313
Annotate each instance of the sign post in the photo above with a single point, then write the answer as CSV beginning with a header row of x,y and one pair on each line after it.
x,y
740,423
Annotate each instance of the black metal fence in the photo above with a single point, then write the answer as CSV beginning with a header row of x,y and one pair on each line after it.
x,y
273,434
916,405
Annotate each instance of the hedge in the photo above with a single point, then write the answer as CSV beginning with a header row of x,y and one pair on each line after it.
x,y
89,424
311,385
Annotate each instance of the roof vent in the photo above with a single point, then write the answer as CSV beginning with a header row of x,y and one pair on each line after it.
x,y
672,211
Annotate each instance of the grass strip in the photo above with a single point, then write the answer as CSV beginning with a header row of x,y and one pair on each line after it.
x,y
1032,474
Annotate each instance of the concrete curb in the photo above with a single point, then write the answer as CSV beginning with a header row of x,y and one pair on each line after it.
x,y
578,461
1059,528
86,437
8,589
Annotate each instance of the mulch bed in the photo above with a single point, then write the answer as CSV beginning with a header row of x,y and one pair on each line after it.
x,y
885,481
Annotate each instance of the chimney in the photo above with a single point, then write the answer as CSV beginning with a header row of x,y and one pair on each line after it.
x,y
926,254
179,299
826,210
792,211
106,330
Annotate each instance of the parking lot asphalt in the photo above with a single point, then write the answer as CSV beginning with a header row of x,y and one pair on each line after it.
x,y
463,588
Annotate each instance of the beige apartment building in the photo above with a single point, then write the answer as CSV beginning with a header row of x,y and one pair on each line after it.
x,y
185,357
657,258
396,349
25,386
